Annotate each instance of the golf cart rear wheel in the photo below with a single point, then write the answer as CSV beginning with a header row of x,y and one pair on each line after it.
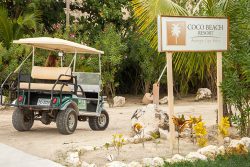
x,y
99,123
66,121
22,120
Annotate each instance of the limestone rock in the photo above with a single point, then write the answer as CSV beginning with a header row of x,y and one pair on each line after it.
x,y
158,161
147,162
146,117
163,133
193,156
177,158
203,93
73,158
148,98
116,164
221,150
134,164
163,120
235,143
246,141
210,151
237,147
164,100
227,140
119,101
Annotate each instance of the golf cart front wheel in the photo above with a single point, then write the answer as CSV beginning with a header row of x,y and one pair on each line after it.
x,y
99,123
66,121
22,120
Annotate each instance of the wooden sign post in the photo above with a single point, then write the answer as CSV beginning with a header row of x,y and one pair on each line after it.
x,y
219,93
169,57
191,34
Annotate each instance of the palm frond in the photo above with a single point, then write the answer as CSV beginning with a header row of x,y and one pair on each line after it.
x,y
146,12
6,28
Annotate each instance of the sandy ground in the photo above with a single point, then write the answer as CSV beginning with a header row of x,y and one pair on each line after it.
x,y
45,141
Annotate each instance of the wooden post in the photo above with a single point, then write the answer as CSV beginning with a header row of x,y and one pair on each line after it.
x,y
219,80
170,100
219,93
156,94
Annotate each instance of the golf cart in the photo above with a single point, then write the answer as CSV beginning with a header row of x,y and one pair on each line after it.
x,y
55,94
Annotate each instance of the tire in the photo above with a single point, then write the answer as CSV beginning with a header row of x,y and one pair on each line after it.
x,y
99,123
66,121
22,120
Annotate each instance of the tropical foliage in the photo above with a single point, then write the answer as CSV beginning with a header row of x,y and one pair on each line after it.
x,y
180,125
110,42
224,126
200,133
236,86
11,29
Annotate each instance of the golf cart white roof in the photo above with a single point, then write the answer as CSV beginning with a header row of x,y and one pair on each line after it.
x,y
57,44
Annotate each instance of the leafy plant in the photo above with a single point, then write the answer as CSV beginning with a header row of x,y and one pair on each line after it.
x,y
139,131
200,133
180,124
224,126
156,136
118,142
107,145
194,121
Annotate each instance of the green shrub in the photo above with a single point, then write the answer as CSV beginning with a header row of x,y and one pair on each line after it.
x,y
220,161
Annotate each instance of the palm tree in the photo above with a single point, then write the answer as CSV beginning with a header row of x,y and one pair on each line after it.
x,y
11,29
146,12
186,65
175,31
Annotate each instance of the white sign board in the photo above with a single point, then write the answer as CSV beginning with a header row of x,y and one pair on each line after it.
x,y
192,34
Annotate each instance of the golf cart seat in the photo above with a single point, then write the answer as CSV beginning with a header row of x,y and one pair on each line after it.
x,y
50,73
42,86
47,74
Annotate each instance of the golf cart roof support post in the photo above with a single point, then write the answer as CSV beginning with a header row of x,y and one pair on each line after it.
x,y
100,65
74,67
17,69
100,71
33,56
61,61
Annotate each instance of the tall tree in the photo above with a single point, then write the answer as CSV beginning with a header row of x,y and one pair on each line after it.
x,y
11,29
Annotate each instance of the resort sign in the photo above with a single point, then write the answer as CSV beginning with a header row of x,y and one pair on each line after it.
x,y
192,34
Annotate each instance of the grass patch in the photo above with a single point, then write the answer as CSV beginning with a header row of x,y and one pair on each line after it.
x,y
220,161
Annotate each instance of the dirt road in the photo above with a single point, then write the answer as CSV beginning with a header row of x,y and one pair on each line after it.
x,y
44,141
